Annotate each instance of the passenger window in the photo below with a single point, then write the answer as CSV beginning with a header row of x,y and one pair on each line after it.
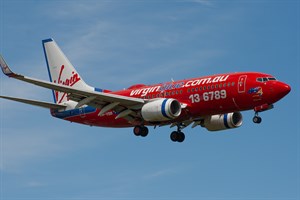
x,y
193,90
204,87
228,84
216,86
212,87
224,85
232,83
200,88
208,87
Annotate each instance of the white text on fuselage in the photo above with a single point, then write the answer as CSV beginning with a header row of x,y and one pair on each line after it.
x,y
170,86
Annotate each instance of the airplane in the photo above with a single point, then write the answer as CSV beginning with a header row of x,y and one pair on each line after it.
x,y
214,102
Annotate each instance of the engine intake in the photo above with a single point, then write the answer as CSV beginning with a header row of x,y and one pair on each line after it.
x,y
223,121
161,110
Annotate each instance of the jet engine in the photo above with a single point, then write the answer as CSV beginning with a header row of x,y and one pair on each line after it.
x,y
223,121
161,110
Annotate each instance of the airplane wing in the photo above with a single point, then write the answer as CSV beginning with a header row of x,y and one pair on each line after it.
x,y
92,98
35,103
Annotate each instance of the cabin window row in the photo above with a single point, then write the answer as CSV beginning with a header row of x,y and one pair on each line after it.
x,y
211,87
164,94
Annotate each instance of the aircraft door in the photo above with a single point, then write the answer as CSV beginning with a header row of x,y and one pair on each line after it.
x,y
242,83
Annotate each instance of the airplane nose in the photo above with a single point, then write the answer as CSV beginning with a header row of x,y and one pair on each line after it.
x,y
285,89
282,89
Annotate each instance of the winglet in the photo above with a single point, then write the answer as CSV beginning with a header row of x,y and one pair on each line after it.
x,y
5,69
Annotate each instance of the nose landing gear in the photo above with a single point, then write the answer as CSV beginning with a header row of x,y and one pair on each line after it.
x,y
257,119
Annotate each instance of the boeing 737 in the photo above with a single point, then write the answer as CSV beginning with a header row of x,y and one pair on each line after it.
x,y
214,102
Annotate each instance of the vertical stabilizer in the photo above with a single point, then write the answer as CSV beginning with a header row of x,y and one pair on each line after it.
x,y
61,71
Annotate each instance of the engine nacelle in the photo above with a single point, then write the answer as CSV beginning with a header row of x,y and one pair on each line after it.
x,y
223,121
161,110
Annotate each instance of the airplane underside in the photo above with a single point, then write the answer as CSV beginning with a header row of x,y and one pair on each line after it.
x,y
90,116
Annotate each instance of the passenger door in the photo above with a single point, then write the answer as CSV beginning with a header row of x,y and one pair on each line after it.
x,y
242,83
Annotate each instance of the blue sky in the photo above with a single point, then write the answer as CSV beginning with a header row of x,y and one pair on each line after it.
x,y
115,44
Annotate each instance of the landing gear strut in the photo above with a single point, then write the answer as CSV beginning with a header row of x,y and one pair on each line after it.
x,y
177,136
140,131
257,119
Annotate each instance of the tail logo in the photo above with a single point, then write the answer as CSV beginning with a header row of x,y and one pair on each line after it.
x,y
72,80
68,81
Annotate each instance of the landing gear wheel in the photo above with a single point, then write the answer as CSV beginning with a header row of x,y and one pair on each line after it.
x,y
137,130
140,131
177,136
145,131
174,136
181,137
257,119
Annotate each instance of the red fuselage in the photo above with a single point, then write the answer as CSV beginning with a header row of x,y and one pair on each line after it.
x,y
203,96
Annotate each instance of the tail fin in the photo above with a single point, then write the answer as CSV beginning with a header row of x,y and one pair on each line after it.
x,y
61,71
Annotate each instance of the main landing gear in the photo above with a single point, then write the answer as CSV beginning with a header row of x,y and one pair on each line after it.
x,y
177,136
256,119
140,131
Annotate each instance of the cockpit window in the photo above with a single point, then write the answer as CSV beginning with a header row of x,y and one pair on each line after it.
x,y
259,80
265,79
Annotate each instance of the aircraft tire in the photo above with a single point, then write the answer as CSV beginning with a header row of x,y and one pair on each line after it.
x,y
181,137
174,136
257,119
144,131
177,136
137,130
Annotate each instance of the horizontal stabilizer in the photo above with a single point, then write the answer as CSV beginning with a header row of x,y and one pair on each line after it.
x,y
35,103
